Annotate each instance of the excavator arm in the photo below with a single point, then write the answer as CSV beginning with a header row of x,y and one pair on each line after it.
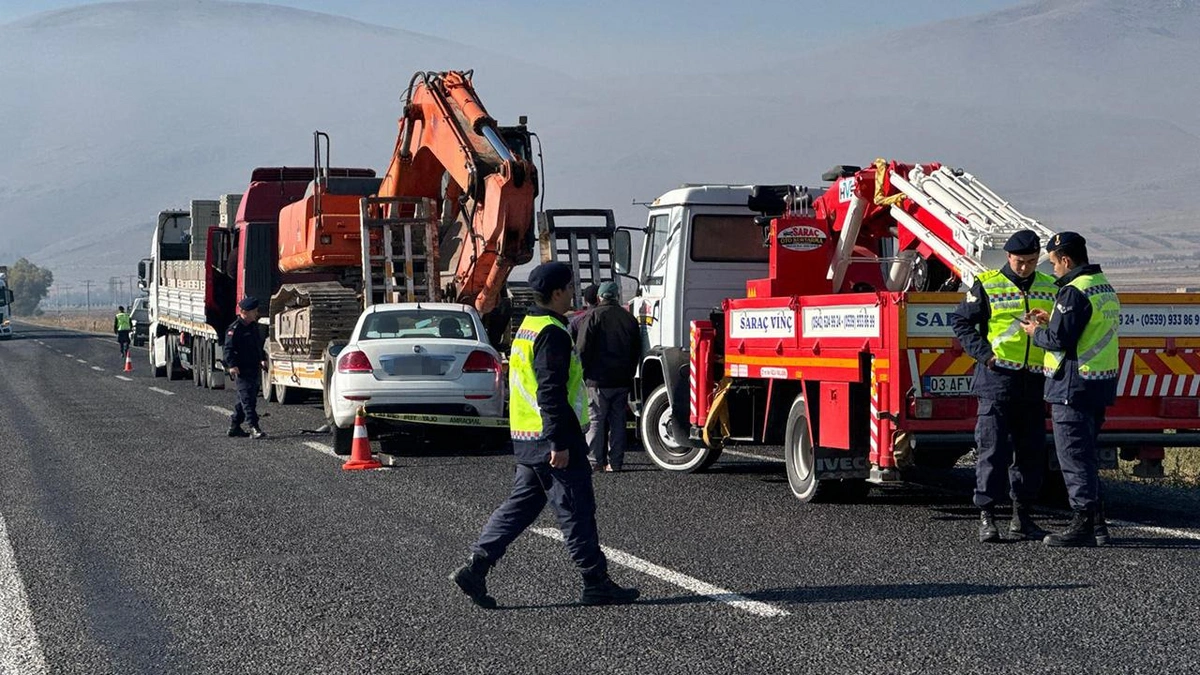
x,y
451,150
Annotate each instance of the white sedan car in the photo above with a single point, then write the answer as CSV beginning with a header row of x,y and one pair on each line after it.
x,y
427,358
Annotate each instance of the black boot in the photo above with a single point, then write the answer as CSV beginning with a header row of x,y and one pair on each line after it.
x,y
1101,527
988,532
1080,531
472,580
257,433
1022,526
236,431
606,592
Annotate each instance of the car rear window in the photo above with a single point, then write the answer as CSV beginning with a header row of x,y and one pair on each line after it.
x,y
430,324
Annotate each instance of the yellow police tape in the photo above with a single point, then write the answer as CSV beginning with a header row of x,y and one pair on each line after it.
x,y
452,420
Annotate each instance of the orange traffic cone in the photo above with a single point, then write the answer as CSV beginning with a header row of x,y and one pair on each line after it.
x,y
128,362
360,449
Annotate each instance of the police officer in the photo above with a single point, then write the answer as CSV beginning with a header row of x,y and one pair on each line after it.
x,y
1010,429
244,361
1079,336
547,416
122,324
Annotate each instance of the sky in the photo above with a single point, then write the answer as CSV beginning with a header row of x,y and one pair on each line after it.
x,y
609,38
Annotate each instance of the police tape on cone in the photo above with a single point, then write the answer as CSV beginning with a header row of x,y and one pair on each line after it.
x,y
360,449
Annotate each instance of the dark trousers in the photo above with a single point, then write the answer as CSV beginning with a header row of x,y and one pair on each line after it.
x,y
247,383
1076,430
606,432
123,341
1010,437
569,492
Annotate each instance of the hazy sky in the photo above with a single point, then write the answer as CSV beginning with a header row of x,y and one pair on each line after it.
x,y
609,37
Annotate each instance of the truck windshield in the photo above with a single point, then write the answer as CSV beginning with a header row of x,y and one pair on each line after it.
x,y
418,323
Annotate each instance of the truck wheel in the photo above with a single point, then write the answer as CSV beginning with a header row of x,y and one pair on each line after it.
x,y
799,454
288,395
174,371
267,388
342,440
197,356
663,449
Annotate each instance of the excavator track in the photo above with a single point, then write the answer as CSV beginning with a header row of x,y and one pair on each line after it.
x,y
307,317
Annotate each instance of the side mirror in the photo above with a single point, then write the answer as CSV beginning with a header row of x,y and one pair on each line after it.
x,y
142,269
622,251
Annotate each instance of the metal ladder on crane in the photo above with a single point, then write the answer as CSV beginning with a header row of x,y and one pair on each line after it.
x,y
399,250
581,238
980,220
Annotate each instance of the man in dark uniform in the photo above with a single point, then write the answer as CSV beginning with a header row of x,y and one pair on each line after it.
x,y
547,416
122,324
1010,429
1079,337
245,359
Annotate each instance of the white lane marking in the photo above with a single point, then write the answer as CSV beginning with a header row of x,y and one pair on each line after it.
x,y
97,368
219,409
20,649
69,356
679,579
321,447
1154,529
122,377
164,392
751,455
82,361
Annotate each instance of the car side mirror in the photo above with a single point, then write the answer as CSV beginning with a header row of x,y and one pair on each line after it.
x,y
622,251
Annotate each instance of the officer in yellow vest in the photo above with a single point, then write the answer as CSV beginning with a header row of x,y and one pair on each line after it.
x,y
1010,429
122,324
547,418
1079,336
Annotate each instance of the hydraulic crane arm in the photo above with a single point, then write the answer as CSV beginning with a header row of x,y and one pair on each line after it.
x,y
486,205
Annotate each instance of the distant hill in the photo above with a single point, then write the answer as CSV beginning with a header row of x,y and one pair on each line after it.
x,y
1085,113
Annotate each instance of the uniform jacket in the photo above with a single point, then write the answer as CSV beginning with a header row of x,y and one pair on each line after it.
x,y
244,347
1072,311
551,365
970,323
610,347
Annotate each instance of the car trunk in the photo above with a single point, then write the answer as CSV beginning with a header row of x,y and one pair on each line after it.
x,y
417,360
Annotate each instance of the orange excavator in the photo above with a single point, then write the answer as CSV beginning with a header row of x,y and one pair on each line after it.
x,y
479,174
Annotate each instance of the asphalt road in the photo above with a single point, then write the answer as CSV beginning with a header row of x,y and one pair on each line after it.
x,y
142,540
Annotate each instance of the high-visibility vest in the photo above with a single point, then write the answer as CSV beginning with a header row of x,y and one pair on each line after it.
x,y
1011,346
1097,351
123,322
524,414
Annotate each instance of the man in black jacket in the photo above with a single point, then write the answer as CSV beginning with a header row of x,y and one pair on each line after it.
x,y
245,360
610,347
547,414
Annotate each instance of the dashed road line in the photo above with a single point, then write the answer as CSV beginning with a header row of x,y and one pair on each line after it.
x,y
751,455
323,448
123,378
219,409
164,392
98,368
716,593
20,649
70,356
1154,529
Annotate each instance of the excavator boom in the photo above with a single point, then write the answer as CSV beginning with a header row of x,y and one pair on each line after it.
x,y
450,150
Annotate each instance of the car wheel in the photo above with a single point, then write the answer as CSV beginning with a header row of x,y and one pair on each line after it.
x,y
343,439
662,447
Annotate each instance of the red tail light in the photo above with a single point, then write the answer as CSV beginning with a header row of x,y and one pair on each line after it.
x,y
481,362
354,362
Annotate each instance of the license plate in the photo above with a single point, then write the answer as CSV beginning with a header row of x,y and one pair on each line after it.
x,y
947,385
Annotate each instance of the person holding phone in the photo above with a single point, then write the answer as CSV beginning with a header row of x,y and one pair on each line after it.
x,y
1010,429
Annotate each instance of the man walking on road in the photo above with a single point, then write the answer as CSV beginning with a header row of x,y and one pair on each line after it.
x,y
1010,429
122,325
547,415
245,359
610,347
1079,337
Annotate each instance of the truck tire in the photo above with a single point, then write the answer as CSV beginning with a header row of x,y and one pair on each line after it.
x,y
662,448
174,370
288,395
342,440
267,387
799,453
197,358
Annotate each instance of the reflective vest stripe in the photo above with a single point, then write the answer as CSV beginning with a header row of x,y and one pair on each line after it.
x,y
123,322
1097,352
524,413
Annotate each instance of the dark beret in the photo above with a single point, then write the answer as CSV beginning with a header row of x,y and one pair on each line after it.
x,y
549,277
248,304
1065,239
1023,242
